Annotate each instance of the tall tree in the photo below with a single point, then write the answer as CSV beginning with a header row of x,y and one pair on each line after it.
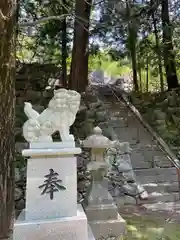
x,y
7,100
168,51
158,50
79,65
64,46
132,40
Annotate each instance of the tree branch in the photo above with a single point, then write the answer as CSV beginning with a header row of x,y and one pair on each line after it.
x,y
43,20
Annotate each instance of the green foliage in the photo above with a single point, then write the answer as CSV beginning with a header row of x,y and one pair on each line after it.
x,y
25,48
166,114
104,61
146,227
120,29
46,40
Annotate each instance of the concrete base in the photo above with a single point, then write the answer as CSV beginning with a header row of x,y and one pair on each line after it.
x,y
107,228
102,212
104,218
68,228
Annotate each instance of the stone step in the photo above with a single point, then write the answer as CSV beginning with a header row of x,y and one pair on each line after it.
x,y
133,123
107,105
149,156
156,175
145,147
153,197
139,160
119,104
101,212
132,135
125,136
104,229
161,187
120,123
122,111
164,207
126,114
139,164
162,161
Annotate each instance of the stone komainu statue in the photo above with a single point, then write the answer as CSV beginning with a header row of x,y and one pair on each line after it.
x,y
59,116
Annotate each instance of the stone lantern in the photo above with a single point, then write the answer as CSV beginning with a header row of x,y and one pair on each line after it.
x,y
97,165
101,211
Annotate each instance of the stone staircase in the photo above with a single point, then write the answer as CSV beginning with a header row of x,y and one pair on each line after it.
x,y
152,167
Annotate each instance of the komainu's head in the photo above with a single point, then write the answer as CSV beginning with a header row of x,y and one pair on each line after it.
x,y
65,100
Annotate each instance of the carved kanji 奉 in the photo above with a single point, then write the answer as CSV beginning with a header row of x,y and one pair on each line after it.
x,y
51,184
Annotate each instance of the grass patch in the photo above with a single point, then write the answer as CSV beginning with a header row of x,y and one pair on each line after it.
x,y
148,228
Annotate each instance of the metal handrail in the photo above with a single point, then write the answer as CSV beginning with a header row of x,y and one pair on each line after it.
x,y
160,142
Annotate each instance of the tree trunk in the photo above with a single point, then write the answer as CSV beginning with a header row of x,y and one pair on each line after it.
x,y
140,79
64,48
80,53
158,50
169,56
132,38
132,48
7,107
147,75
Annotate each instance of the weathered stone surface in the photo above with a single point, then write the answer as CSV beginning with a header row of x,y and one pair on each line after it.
x,y
18,194
19,205
104,229
69,228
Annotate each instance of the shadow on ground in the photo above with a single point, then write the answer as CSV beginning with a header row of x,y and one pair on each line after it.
x,y
150,226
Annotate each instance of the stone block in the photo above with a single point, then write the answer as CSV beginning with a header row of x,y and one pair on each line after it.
x,y
101,212
64,203
52,145
108,228
99,195
68,228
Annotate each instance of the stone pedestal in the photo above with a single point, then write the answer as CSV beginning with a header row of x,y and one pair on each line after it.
x,y
104,218
64,228
51,196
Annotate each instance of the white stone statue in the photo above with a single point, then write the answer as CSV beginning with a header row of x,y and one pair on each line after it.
x,y
59,116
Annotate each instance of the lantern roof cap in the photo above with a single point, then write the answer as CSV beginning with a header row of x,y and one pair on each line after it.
x,y
97,140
